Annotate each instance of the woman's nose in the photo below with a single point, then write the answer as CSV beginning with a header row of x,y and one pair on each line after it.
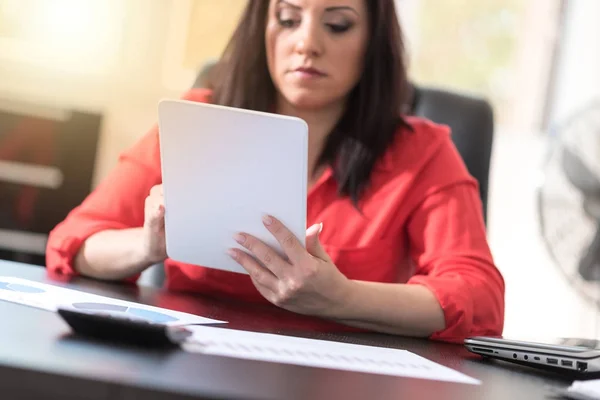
x,y
309,40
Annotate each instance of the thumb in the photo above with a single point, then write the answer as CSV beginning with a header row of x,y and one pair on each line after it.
x,y
156,219
313,245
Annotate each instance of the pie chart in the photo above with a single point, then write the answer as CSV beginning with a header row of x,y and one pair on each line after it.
x,y
15,287
148,315
92,306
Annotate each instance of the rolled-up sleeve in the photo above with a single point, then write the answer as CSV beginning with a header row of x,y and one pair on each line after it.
x,y
117,203
450,250
454,262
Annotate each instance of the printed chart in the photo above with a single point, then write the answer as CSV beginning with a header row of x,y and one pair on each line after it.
x,y
50,297
318,353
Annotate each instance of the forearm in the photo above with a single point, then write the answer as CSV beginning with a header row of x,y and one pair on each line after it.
x,y
410,310
112,255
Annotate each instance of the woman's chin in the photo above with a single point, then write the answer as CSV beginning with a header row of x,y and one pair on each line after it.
x,y
309,101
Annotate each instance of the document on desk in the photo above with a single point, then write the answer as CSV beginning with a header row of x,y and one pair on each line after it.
x,y
50,297
318,353
583,390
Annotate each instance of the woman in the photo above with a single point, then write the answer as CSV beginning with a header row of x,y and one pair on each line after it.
x,y
396,241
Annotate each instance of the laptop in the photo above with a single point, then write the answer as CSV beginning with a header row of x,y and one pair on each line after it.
x,y
566,355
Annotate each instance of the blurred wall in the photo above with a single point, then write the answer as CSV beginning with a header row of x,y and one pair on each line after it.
x,y
148,52
125,90
150,58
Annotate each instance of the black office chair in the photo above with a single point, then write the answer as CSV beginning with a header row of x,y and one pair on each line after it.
x,y
471,120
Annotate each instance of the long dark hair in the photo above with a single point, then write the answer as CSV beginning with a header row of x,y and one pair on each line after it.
x,y
373,113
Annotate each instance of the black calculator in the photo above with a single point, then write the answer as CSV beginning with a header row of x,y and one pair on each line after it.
x,y
123,328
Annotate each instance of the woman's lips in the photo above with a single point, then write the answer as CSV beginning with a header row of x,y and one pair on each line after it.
x,y
308,73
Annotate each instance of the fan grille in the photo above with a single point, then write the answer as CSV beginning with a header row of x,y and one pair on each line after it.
x,y
566,229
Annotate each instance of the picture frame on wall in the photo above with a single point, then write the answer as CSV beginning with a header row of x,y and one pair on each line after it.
x,y
199,31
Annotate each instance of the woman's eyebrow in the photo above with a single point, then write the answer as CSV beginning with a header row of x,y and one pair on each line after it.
x,y
288,4
341,8
328,9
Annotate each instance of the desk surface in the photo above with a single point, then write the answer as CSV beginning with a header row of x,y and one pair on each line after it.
x,y
39,358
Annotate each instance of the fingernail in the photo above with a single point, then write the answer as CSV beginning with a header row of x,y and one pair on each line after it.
x,y
267,220
232,253
238,237
320,228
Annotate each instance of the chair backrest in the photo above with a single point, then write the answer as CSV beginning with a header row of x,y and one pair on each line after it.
x,y
204,75
471,120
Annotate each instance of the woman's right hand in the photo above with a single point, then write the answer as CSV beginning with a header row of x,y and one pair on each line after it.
x,y
153,242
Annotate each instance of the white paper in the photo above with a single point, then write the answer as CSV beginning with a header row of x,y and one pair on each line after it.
x,y
318,353
584,389
50,297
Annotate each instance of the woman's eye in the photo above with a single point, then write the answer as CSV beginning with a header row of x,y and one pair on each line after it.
x,y
338,28
287,19
287,23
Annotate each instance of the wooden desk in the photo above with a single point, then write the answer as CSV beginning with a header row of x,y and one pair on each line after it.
x,y
39,359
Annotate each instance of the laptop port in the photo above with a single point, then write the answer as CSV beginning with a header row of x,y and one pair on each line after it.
x,y
566,363
481,349
552,361
536,358
581,366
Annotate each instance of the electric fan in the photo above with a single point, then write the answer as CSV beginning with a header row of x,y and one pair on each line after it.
x,y
568,201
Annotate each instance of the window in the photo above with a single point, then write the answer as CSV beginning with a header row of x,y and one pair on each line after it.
x,y
499,49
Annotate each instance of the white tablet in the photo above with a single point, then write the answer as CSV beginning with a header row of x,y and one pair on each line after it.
x,y
224,168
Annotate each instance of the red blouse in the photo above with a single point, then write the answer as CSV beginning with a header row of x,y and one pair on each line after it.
x,y
421,224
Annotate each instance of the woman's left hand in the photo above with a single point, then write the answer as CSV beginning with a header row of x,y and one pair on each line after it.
x,y
307,282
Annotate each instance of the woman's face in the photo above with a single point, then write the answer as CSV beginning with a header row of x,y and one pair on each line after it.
x,y
315,49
